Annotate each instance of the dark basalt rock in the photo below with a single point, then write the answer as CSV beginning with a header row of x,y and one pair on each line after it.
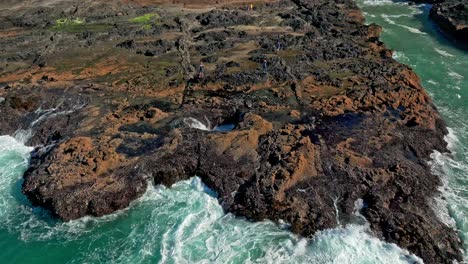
x,y
334,120
212,47
128,44
224,18
152,48
452,18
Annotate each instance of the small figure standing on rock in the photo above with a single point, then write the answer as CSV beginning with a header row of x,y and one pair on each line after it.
x,y
265,66
278,45
201,70
251,7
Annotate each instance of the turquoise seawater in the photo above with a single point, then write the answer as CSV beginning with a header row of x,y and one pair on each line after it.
x,y
182,224
443,70
185,223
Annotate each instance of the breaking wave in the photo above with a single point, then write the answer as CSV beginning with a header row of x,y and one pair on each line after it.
x,y
186,224
182,224
197,124
410,29
442,69
443,52
452,205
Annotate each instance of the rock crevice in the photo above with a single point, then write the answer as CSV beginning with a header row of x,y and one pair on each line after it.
x,y
332,121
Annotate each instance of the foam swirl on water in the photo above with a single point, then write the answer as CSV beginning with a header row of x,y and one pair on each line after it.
x,y
186,224
182,224
442,69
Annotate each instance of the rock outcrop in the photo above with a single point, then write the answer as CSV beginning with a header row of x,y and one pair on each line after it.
x,y
112,97
452,17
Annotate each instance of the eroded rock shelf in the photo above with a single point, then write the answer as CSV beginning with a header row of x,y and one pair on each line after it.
x,y
335,119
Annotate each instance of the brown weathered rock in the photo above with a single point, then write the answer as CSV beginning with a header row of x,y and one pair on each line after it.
x,y
452,18
335,120
87,180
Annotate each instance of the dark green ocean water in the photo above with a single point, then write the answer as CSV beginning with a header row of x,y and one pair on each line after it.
x,y
185,224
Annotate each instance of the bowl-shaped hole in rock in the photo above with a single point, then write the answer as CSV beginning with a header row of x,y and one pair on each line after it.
x,y
222,124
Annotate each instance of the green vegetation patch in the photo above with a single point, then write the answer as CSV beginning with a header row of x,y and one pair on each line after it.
x,y
77,25
147,26
148,20
63,23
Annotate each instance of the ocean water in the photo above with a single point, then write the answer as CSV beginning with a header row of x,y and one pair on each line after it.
x,y
185,223
443,70
182,224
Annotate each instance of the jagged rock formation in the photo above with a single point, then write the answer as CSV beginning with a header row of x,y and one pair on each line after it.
x,y
334,120
452,18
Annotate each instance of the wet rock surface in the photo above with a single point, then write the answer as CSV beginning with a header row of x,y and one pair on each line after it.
x,y
452,17
112,96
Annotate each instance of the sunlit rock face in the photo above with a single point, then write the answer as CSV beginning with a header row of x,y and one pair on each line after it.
x,y
299,111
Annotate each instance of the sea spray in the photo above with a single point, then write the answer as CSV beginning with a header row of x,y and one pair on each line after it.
x,y
197,124
443,70
26,133
451,205
146,232
181,224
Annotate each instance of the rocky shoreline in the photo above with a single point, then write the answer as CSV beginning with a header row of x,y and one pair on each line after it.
x,y
111,95
452,18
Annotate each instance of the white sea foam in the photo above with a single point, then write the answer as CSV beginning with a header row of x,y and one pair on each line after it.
x,y
368,15
411,13
149,231
398,16
195,123
452,140
24,134
388,20
410,29
16,213
200,232
443,52
400,56
377,2
413,30
440,204
445,82
452,205
337,212
181,224
455,75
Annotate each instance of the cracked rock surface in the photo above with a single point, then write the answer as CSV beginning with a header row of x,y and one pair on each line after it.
x,y
112,96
